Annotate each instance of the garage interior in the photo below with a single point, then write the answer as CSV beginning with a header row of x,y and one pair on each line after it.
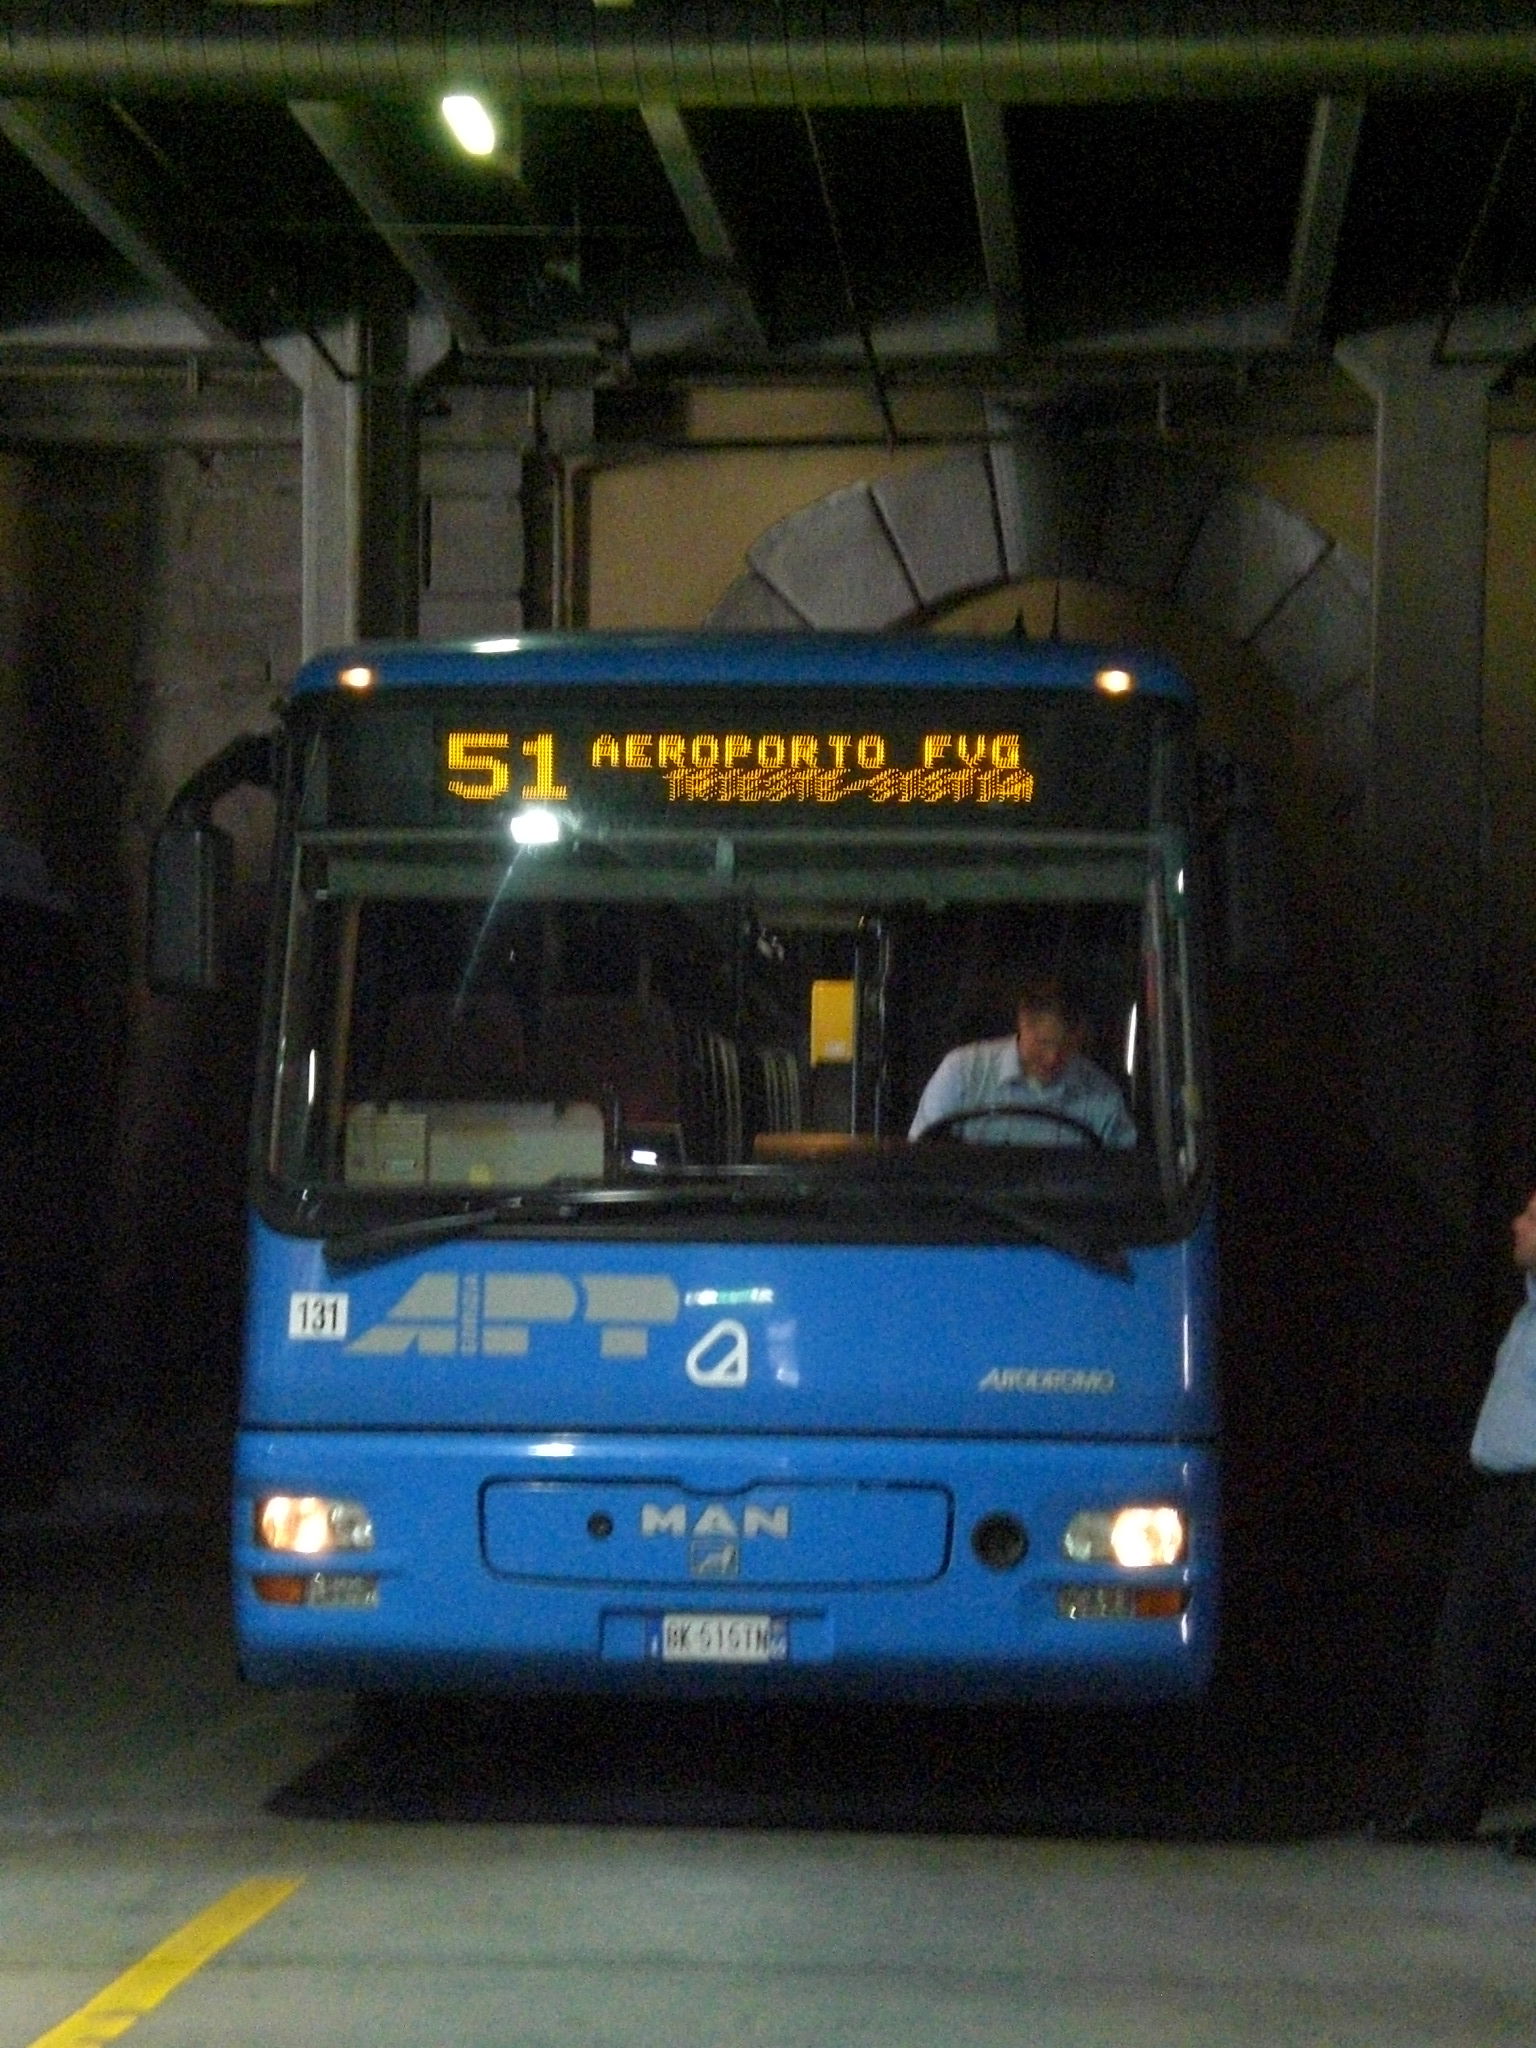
x,y
1076,320
1219,335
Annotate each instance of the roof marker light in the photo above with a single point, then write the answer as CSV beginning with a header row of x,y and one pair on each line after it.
x,y
470,125
356,678
1115,682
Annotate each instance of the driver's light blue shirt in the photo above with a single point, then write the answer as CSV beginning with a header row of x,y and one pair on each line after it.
x,y
987,1075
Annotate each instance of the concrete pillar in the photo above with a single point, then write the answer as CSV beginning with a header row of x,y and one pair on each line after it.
x,y
556,485
472,542
1424,974
361,544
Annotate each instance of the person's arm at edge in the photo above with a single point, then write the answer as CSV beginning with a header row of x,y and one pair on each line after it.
x,y
943,1095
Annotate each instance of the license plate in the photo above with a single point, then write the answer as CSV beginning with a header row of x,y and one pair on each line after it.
x,y
720,1638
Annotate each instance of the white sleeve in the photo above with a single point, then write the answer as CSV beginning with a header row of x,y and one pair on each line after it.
x,y
1111,1118
944,1094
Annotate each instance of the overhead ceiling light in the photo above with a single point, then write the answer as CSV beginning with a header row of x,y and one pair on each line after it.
x,y
471,126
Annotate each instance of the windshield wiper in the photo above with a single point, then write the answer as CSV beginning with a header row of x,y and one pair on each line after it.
x,y
1088,1247
1101,1254
550,1205
384,1240
754,1191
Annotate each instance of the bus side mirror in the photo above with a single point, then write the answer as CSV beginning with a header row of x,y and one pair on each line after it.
x,y
191,869
1253,919
189,883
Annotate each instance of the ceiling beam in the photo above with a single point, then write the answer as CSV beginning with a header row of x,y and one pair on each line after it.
x,y
85,155
986,144
690,184
700,209
1320,215
339,133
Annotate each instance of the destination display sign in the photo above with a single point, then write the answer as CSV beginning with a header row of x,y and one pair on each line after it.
x,y
1031,759
490,766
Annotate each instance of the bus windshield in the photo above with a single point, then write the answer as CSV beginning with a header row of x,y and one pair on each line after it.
x,y
733,1005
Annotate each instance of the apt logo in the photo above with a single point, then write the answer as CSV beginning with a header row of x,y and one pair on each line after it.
x,y
720,1358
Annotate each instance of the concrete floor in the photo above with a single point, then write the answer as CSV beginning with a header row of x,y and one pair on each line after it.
x,y
575,1875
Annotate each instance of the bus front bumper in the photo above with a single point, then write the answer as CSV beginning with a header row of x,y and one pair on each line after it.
x,y
876,1568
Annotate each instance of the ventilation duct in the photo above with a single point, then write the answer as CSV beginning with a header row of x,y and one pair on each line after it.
x,y
792,53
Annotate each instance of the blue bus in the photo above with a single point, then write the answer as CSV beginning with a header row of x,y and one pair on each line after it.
x,y
608,1327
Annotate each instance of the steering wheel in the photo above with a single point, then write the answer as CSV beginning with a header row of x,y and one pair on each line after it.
x,y
942,1126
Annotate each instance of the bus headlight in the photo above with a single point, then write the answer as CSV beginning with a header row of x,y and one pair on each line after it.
x,y
1136,1537
309,1525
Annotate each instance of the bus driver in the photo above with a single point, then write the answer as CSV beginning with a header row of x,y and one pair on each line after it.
x,y
1040,1068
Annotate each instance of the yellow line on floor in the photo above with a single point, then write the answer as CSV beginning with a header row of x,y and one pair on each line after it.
x,y
126,2000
